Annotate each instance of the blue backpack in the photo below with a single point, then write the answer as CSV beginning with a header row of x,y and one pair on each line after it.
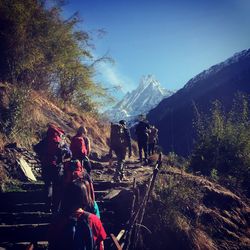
x,y
77,235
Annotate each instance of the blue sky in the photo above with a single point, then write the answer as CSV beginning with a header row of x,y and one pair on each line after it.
x,y
173,40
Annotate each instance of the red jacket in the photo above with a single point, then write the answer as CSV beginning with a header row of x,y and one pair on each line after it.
x,y
54,137
78,147
72,174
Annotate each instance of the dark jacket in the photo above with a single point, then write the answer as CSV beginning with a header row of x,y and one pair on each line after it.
x,y
141,131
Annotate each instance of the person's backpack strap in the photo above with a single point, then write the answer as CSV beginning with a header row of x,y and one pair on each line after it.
x,y
83,238
117,136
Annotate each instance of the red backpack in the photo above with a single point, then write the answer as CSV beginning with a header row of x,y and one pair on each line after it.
x,y
78,147
73,170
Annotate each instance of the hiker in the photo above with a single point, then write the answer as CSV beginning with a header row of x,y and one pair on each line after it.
x,y
74,228
120,140
74,170
80,147
152,139
50,151
141,131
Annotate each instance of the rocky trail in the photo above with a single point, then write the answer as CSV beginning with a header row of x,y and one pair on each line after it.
x,y
220,220
24,219
23,216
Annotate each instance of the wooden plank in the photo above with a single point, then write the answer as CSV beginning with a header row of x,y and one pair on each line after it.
x,y
30,247
119,236
118,246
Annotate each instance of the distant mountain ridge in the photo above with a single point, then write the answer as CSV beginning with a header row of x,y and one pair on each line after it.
x,y
139,101
174,115
216,68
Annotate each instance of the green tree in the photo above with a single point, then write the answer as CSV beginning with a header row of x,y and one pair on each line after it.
x,y
40,49
223,143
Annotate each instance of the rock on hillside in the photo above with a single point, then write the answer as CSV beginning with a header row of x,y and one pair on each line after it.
x,y
174,115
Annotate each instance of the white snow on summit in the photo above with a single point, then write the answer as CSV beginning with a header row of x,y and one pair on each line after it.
x,y
140,101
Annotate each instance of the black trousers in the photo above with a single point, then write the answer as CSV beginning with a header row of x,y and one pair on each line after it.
x,y
143,146
151,148
53,187
120,154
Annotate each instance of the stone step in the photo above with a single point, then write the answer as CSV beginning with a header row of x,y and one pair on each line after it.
x,y
13,218
40,245
98,185
41,207
10,198
25,217
21,197
24,232
17,231
105,185
32,186
24,207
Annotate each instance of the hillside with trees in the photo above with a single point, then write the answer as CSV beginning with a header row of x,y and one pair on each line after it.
x,y
43,55
198,202
174,116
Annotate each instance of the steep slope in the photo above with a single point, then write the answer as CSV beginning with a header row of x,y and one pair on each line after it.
x,y
145,97
174,115
209,216
194,213
40,110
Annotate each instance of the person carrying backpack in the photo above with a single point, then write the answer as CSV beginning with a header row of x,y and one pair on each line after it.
x,y
51,155
73,170
152,139
74,228
141,130
120,141
80,148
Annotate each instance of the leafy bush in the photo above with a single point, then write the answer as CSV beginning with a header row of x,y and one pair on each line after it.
x,y
10,122
16,122
222,148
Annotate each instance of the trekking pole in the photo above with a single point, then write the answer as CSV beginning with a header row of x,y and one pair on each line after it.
x,y
146,198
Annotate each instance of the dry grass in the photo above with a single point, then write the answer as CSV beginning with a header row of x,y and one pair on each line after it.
x,y
202,241
199,213
40,110
2,142
69,118
3,177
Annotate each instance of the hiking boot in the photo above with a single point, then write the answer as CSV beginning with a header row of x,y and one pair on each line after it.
x,y
116,179
48,210
125,179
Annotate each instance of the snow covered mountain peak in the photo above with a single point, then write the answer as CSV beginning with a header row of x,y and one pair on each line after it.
x,y
139,101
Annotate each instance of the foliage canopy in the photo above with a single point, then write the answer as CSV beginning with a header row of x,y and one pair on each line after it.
x,y
223,143
40,49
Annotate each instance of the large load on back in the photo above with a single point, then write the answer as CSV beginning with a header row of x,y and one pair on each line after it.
x,y
117,136
49,149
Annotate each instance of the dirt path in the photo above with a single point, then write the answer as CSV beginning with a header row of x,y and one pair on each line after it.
x,y
23,215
